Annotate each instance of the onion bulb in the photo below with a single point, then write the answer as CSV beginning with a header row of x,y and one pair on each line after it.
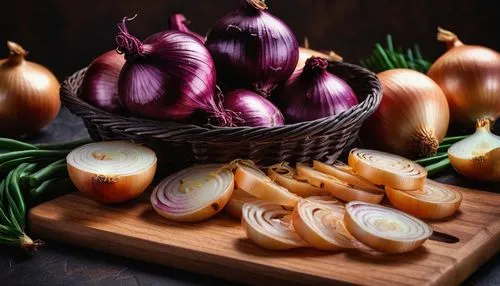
x,y
255,182
179,22
29,94
306,52
385,229
345,173
412,118
193,194
387,169
236,202
477,156
112,171
470,78
287,177
432,201
339,189
268,225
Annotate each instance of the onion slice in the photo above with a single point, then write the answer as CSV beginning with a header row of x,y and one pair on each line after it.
x,y
385,229
387,169
236,202
339,189
193,194
269,226
255,182
287,177
433,201
345,173
112,171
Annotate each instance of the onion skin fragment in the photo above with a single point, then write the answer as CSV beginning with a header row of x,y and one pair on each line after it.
x,y
236,202
411,202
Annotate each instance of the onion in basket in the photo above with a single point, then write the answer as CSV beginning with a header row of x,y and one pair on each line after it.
x,y
112,171
287,177
193,194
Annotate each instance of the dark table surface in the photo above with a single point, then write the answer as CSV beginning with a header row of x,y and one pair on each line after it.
x,y
61,264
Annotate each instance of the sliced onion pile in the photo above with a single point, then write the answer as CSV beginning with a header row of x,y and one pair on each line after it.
x,y
113,171
193,194
433,201
236,202
385,229
339,189
387,169
255,182
287,177
268,225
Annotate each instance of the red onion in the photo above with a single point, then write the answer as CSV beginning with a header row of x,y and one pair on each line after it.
x,y
253,49
169,76
251,109
100,84
179,22
314,93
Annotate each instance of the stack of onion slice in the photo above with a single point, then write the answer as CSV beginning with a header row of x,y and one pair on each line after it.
x,y
287,177
339,189
193,194
235,204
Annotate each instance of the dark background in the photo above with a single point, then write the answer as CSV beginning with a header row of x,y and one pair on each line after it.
x,y
66,35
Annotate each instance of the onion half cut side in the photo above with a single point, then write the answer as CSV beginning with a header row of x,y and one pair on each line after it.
x,y
112,171
236,202
385,229
286,176
193,194
346,174
432,201
269,226
337,188
387,169
255,182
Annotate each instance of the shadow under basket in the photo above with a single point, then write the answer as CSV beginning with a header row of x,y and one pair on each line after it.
x,y
179,145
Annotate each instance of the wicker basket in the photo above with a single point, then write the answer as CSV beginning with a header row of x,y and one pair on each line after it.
x,y
179,145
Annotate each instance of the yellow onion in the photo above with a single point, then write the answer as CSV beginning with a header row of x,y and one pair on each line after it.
x,y
29,94
412,118
287,177
236,202
470,78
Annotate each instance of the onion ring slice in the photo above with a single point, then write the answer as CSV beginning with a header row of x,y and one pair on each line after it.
x,y
236,202
286,176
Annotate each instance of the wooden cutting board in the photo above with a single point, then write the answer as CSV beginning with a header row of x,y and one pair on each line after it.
x,y
220,248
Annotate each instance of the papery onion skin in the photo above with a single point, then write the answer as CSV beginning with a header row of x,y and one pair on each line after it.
x,y
412,117
29,94
470,78
236,202
314,93
179,22
425,207
251,109
100,84
252,49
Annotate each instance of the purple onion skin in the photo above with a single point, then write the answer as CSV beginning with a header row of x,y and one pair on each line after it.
x,y
314,93
179,23
252,49
167,77
100,84
251,109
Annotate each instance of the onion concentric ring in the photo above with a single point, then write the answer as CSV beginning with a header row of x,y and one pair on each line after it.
x,y
432,201
385,229
236,202
287,177
193,194
387,169
268,225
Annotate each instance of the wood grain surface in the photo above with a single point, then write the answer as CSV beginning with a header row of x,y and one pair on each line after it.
x,y
220,248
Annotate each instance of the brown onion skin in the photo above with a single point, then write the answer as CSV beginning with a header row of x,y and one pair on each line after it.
x,y
412,118
29,95
100,84
470,78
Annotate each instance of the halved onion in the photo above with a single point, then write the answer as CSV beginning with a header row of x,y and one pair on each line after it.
x,y
255,182
236,202
432,201
269,226
345,173
193,194
112,171
287,177
387,169
339,189
385,229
